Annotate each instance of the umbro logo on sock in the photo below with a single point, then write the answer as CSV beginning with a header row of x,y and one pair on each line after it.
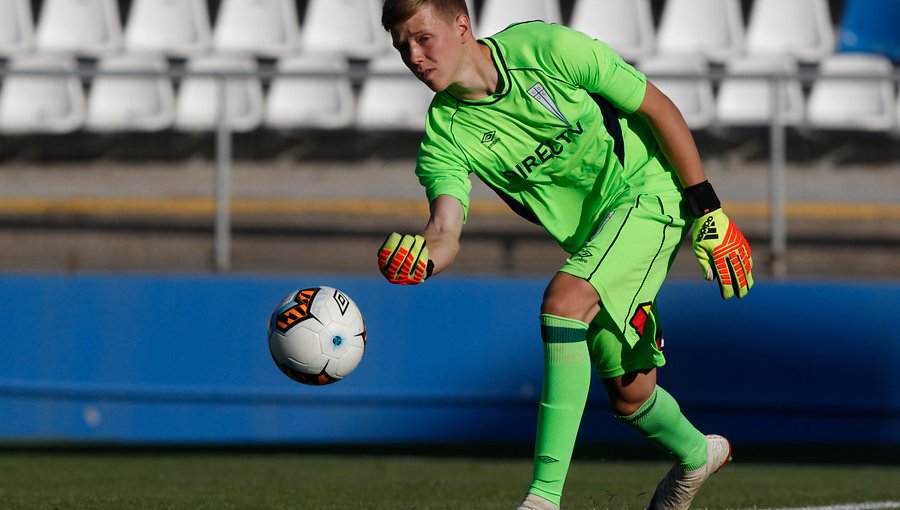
x,y
546,459
708,230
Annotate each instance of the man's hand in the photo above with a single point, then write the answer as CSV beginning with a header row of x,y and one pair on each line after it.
x,y
723,253
404,259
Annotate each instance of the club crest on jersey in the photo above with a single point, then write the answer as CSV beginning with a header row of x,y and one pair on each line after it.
x,y
538,92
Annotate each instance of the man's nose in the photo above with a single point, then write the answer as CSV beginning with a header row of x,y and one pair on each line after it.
x,y
416,55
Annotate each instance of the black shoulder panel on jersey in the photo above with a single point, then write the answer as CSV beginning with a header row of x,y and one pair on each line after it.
x,y
516,207
611,122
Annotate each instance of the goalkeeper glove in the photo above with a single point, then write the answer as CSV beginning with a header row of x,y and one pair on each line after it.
x,y
720,247
404,259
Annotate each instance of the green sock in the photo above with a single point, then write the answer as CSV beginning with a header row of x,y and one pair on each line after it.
x,y
567,378
660,420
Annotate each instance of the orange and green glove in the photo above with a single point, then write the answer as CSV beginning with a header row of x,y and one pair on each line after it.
x,y
720,246
404,259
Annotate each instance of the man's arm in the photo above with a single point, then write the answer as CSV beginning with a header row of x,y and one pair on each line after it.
x,y
443,231
720,247
411,259
673,135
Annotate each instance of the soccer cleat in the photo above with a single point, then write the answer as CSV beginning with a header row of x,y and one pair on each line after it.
x,y
678,488
535,502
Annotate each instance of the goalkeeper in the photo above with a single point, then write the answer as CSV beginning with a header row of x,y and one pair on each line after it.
x,y
576,140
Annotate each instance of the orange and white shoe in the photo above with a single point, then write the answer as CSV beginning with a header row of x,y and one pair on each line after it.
x,y
678,488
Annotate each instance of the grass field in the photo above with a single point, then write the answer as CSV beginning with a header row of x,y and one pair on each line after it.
x,y
60,480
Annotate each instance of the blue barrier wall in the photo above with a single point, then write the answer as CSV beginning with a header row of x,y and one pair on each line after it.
x,y
184,359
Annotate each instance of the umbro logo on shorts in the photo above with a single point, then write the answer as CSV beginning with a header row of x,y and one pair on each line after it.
x,y
583,256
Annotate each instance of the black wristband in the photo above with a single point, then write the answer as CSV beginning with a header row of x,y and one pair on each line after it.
x,y
701,199
429,268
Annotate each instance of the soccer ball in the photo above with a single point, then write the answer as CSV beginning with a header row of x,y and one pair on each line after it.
x,y
317,336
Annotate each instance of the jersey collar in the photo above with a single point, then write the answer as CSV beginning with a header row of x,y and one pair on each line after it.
x,y
502,74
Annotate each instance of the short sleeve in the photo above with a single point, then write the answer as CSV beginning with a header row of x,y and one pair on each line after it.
x,y
441,167
595,66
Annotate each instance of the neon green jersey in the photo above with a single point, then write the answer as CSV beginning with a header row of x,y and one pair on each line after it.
x,y
557,140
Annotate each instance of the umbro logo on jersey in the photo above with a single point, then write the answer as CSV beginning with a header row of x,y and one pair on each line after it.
x,y
708,230
538,92
490,138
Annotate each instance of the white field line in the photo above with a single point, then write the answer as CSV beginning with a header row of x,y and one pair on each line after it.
x,y
881,505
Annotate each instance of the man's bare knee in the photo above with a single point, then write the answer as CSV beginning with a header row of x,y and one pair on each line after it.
x,y
571,297
628,393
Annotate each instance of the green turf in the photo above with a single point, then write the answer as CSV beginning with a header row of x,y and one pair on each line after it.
x,y
124,481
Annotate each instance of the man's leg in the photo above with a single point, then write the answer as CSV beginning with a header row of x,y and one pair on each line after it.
x,y
659,419
638,402
630,381
567,377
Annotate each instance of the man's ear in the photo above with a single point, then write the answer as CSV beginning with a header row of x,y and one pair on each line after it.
x,y
463,25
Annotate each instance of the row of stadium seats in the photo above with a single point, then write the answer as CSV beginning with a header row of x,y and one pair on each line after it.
x,y
270,28
182,28
302,94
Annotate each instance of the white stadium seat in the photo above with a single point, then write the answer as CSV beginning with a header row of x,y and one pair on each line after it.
x,y
396,103
197,106
310,101
693,96
260,27
496,15
350,27
16,27
177,28
82,27
42,104
749,101
801,28
848,103
122,103
713,28
625,25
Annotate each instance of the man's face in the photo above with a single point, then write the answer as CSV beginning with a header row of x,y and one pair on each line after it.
x,y
431,47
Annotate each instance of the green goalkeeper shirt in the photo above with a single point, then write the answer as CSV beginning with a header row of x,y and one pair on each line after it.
x,y
556,141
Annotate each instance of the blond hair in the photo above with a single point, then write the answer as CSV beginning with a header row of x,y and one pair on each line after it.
x,y
395,12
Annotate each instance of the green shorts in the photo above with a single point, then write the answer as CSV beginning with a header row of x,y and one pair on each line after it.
x,y
613,356
626,261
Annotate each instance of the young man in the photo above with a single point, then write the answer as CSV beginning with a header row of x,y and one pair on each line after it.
x,y
578,141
